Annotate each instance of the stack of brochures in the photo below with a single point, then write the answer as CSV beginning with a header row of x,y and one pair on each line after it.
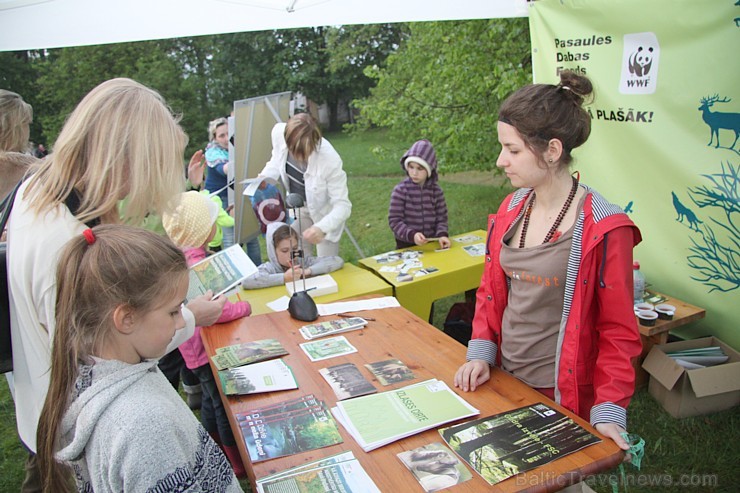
x,y
331,327
699,357
288,427
247,352
379,419
267,376
341,472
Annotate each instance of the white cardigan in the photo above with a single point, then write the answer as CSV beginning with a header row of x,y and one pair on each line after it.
x,y
34,245
327,197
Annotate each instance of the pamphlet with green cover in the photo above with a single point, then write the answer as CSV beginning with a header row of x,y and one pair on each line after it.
x,y
501,446
341,473
327,348
378,419
247,352
219,272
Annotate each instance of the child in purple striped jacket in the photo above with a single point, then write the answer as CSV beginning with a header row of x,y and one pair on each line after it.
x,y
418,211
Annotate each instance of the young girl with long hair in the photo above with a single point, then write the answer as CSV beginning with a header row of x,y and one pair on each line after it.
x,y
120,142
110,415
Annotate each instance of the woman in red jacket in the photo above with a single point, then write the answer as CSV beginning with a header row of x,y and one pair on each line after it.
x,y
554,307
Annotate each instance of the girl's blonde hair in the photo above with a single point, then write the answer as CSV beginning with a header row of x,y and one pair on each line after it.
x,y
15,117
121,141
124,265
302,136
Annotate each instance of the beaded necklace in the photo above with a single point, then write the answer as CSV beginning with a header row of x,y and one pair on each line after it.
x,y
550,234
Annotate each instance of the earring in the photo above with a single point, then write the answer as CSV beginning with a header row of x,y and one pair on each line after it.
x,y
549,160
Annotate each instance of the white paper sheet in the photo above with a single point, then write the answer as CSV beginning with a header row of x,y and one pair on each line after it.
x,y
359,305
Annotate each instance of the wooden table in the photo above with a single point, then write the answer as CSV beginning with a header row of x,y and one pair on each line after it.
x,y
429,353
658,333
351,280
458,272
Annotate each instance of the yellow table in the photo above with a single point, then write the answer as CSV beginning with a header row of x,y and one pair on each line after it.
x,y
351,280
458,271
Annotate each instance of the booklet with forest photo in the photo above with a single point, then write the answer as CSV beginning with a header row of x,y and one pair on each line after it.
x,y
247,352
220,272
506,444
346,381
271,432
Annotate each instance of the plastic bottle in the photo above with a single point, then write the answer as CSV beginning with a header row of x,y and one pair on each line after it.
x,y
638,281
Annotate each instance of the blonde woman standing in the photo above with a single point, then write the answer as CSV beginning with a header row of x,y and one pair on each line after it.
x,y
120,142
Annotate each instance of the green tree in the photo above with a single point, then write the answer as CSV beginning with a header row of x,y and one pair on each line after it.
x,y
446,82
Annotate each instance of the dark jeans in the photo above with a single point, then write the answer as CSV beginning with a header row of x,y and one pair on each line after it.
x,y
174,369
212,411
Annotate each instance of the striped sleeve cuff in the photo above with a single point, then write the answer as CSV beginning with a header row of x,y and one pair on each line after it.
x,y
608,412
482,349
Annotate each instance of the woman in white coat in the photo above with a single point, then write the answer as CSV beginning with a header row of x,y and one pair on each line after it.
x,y
308,165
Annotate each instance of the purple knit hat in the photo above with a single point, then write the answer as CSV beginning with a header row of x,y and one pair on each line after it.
x,y
423,153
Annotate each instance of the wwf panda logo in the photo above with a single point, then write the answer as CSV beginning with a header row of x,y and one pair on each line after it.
x,y
640,61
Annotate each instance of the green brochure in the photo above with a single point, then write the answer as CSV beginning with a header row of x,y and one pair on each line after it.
x,y
378,419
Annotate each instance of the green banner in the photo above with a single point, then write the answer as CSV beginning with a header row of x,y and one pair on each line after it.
x,y
664,140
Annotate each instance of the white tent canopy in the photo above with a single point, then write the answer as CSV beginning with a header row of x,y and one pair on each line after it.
x,y
38,24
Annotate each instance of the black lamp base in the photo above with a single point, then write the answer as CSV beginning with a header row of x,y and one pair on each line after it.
x,y
302,307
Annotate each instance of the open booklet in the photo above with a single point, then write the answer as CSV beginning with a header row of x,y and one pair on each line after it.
x,y
378,419
220,272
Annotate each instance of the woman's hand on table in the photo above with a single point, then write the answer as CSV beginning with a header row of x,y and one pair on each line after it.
x,y
613,431
444,242
472,374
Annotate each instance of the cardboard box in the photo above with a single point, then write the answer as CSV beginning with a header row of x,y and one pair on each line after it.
x,y
685,392
316,286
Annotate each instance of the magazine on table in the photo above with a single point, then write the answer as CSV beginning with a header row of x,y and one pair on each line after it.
x,y
379,419
282,407
390,371
341,473
267,376
435,467
331,327
327,348
247,352
506,444
220,272
346,381
277,434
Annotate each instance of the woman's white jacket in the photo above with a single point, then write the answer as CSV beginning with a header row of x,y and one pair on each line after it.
x,y
327,197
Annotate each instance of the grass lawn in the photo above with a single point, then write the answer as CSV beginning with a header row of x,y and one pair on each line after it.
x,y
693,454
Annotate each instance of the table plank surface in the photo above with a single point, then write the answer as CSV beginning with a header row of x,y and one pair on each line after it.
x,y
429,353
458,272
351,280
